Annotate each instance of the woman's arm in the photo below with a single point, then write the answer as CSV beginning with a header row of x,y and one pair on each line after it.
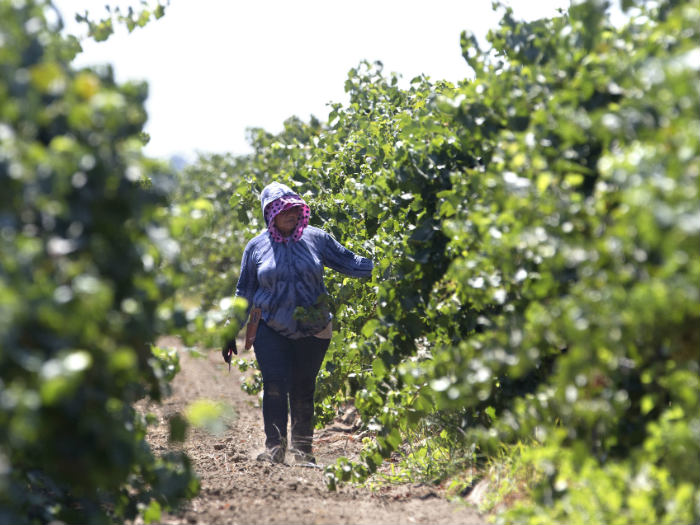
x,y
339,258
248,278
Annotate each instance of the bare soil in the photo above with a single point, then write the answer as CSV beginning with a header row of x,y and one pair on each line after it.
x,y
235,488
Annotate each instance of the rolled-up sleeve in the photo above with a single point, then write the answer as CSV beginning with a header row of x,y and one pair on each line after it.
x,y
339,258
248,278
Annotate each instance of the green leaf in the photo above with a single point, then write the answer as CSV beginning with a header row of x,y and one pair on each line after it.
x,y
379,368
152,513
212,416
370,328
178,428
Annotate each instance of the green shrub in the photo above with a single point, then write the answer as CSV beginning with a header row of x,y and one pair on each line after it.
x,y
81,248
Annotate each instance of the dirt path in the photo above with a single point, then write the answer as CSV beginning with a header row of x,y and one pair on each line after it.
x,y
238,489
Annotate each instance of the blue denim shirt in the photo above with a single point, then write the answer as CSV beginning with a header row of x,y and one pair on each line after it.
x,y
285,279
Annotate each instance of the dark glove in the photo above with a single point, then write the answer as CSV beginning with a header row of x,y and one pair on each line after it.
x,y
228,349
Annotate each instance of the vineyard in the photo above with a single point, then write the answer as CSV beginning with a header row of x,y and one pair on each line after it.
x,y
535,299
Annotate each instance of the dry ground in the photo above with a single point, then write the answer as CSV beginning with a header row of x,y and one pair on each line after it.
x,y
238,489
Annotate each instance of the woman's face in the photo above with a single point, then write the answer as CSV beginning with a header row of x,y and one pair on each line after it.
x,y
285,221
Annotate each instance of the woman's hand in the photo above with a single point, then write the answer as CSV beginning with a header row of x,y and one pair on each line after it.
x,y
229,349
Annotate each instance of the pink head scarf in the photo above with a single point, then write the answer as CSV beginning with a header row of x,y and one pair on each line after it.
x,y
282,204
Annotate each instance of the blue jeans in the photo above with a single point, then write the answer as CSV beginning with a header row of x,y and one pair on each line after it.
x,y
289,368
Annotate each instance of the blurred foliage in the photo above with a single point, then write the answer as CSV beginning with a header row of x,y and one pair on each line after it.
x,y
100,30
212,416
85,263
535,233
210,241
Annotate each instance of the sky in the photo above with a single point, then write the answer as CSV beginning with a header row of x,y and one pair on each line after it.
x,y
218,67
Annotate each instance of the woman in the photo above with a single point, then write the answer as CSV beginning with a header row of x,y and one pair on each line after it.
x,y
282,274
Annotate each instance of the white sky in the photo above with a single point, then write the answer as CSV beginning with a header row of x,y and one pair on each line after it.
x,y
217,67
